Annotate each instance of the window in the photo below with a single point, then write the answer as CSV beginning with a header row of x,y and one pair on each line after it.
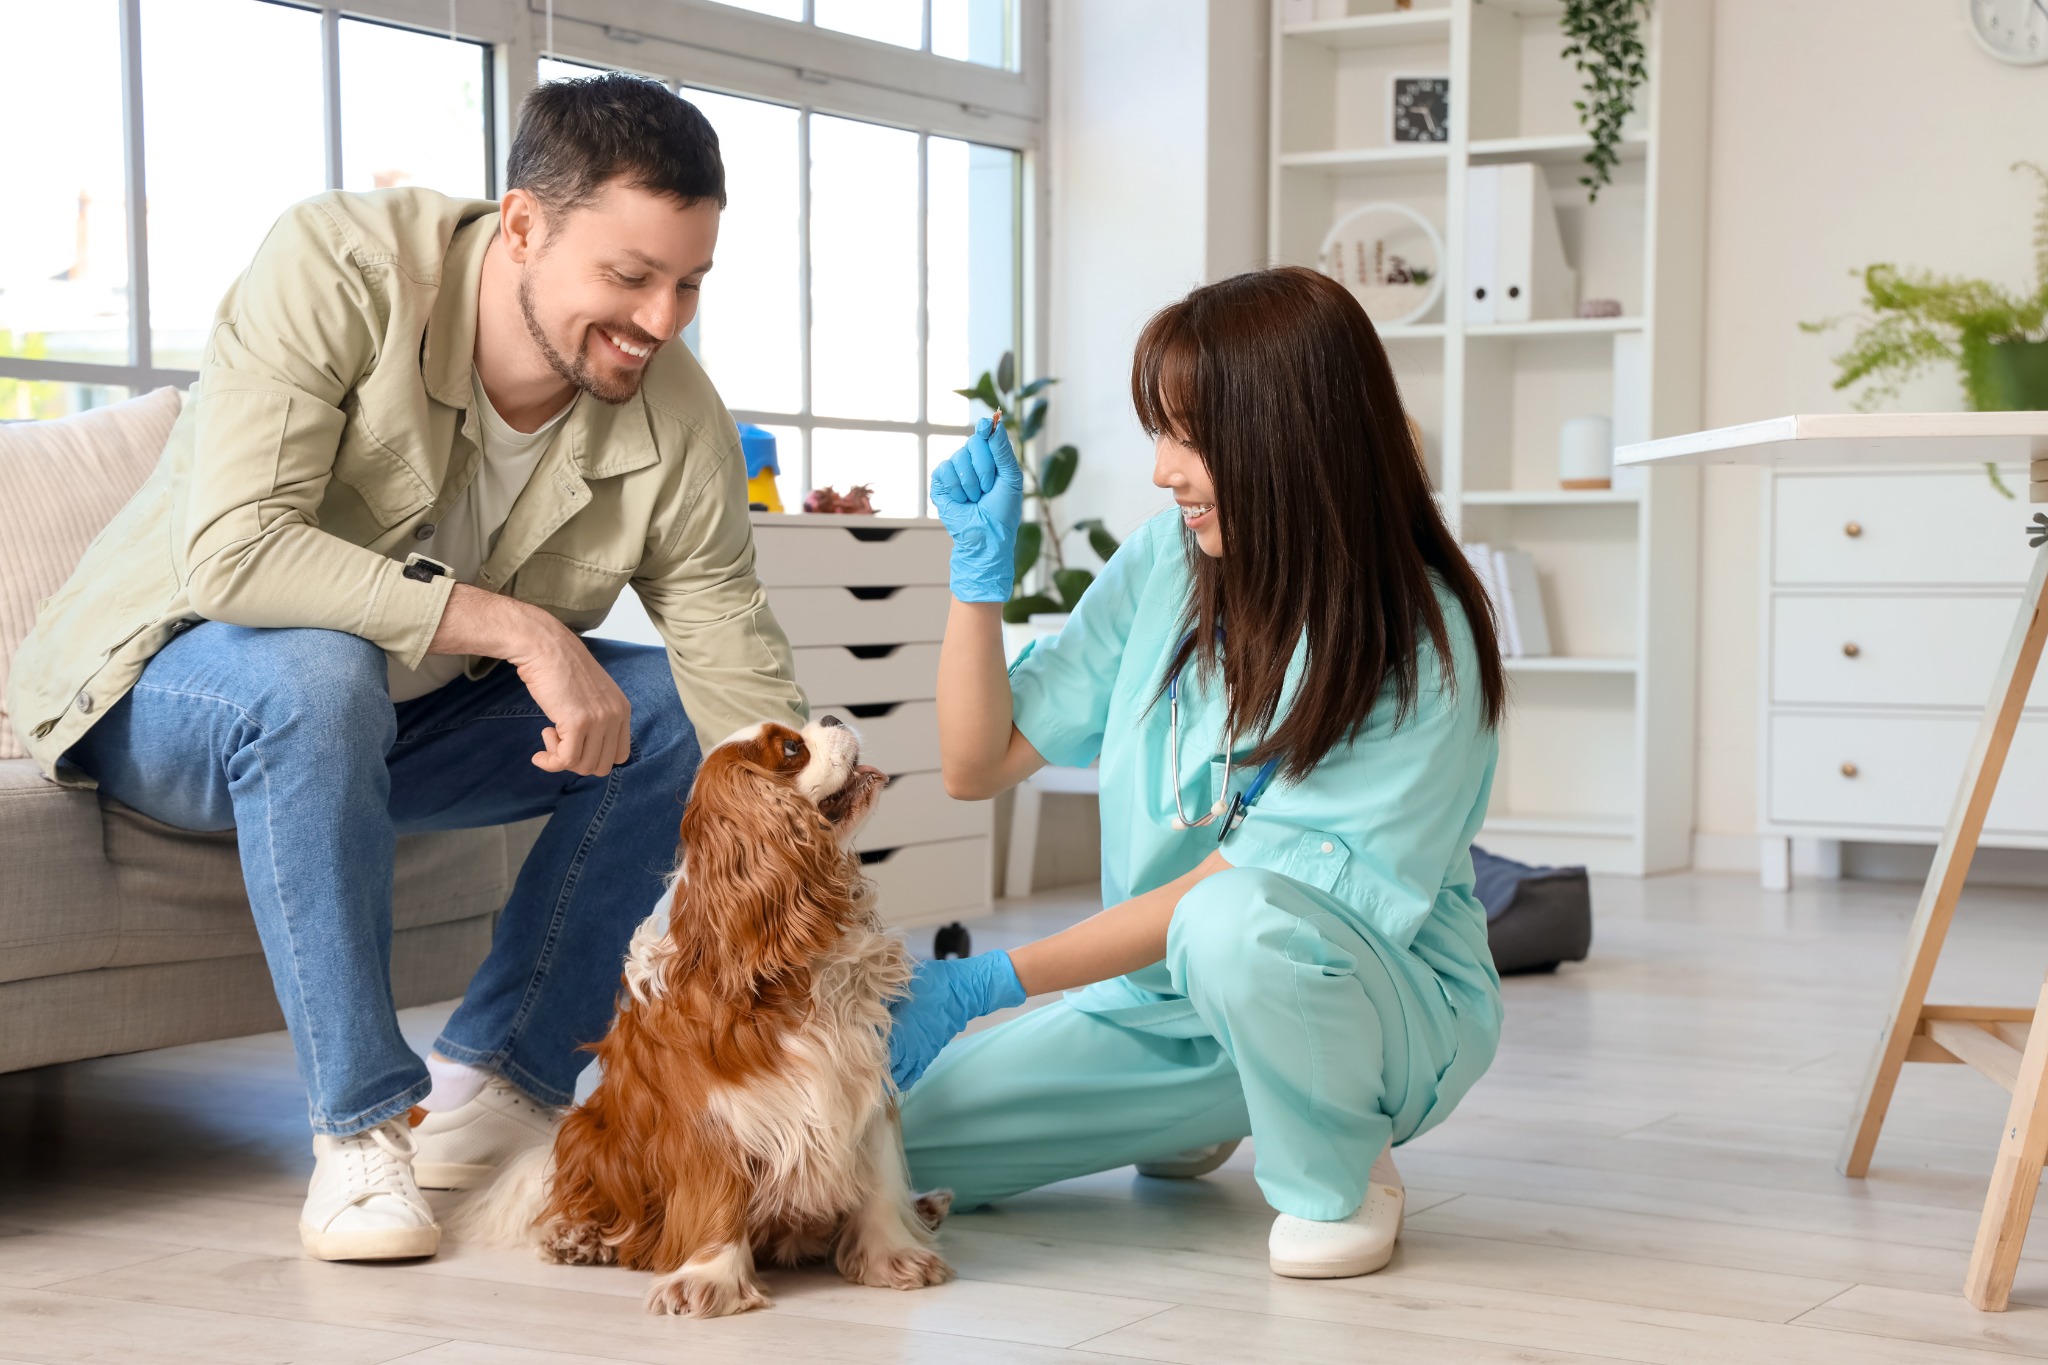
x,y
977,31
902,308
235,99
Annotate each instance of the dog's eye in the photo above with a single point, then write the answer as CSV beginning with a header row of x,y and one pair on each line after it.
x,y
792,747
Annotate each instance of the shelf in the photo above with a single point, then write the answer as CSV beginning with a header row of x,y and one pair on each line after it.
x,y
1551,497
1411,331
1556,150
1557,327
1599,826
1562,664
1374,30
1403,156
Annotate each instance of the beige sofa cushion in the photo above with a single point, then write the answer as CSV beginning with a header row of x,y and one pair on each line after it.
x,y
60,484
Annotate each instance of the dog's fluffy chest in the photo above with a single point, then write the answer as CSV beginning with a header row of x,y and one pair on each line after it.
x,y
802,1123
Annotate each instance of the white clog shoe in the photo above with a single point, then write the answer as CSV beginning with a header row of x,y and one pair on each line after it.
x,y
1306,1249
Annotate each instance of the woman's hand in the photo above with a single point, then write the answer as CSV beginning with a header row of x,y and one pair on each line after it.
x,y
979,494
946,994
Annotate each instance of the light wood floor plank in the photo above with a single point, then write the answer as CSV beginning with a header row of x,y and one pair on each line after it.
x,y
1943,1319
47,1326
30,1259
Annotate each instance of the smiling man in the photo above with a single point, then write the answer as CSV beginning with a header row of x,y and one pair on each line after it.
x,y
431,441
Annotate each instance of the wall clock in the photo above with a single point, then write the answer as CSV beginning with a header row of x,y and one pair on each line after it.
x,y
1390,258
1419,109
2013,31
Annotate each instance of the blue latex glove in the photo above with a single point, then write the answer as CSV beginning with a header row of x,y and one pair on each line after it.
x,y
946,994
979,494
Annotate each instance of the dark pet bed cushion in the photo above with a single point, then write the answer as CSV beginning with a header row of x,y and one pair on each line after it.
x,y
1536,917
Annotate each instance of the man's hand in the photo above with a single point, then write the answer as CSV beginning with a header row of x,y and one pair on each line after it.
x,y
593,721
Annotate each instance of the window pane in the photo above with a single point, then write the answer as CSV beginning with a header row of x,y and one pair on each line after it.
x,y
412,111
749,325
973,271
64,230
780,9
235,136
898,22
975,31
23,400
863,270
554,69
886,461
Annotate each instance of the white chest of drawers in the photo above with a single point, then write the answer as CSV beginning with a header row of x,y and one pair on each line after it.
x,y
1887,597
863,601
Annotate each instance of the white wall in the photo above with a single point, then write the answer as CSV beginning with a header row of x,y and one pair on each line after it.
x,y
1157,145
1844,132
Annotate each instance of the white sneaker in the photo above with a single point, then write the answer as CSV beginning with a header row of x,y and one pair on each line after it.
x,y
465,1146
362,1204
1305,1249
1196,1161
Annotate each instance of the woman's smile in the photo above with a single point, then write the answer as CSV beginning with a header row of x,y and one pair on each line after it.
x,y
1196,515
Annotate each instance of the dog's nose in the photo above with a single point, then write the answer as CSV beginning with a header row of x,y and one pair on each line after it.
x,y
833,721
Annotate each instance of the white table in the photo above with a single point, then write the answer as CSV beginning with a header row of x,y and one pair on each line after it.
x,y
1999,1042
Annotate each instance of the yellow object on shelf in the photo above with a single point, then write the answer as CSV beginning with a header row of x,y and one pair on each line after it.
x,y
761,489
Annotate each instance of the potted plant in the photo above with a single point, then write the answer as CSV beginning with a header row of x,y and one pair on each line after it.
x,y
1045,582
1997,338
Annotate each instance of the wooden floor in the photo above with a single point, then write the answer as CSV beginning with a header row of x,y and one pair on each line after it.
x,y
1646,1175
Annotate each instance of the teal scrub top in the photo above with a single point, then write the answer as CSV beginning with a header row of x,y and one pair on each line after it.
x,y
1384,824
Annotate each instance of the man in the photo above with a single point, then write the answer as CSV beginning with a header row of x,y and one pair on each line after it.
x,y
265,639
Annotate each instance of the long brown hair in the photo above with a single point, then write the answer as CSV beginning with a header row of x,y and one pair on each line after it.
x,y
1278,381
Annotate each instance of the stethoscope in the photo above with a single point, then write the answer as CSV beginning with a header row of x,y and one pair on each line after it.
x,y
1232,809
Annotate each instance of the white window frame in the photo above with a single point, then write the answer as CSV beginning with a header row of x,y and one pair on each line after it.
x,y
697,43
705,45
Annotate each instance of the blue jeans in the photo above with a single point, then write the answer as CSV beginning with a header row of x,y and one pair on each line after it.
x,y
290,738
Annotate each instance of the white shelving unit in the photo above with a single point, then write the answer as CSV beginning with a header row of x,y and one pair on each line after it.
x,y
1597,756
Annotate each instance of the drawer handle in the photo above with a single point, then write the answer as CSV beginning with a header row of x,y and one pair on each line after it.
x,y
873,594
870,857
871,651
1849,770
873,533
871,710
1851,649
1853,529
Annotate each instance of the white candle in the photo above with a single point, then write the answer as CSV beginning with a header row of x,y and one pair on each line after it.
x,y
1585,452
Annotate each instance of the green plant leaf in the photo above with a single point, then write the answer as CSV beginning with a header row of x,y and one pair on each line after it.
x,y
1035,387
1058,471
1006,372
1018,610
1030,544
1034,418
985,390
1071,584
1099,539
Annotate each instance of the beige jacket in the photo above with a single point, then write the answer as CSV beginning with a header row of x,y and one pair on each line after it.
x,y
331,424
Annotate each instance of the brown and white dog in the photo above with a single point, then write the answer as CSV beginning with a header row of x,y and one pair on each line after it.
x,y
745,1107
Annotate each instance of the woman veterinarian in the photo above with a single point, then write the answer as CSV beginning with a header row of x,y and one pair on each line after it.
x,y
1291,777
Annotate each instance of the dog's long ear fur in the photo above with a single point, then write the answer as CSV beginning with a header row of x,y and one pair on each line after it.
x,y
766,887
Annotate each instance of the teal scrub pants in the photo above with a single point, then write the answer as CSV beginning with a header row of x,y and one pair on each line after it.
x,y
1309,1032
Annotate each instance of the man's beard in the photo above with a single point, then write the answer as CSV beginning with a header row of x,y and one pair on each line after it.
x,y
576,371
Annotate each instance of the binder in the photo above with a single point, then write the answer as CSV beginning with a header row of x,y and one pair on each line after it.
x,y
1631,402
1528,628
1531,278
1480,557
1482,210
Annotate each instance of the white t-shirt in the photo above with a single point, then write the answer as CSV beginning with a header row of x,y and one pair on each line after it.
x,y
466,532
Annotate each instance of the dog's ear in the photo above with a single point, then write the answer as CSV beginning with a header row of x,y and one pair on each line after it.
x,y
766,885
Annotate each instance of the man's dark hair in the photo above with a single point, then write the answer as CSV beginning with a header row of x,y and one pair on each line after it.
x,y
576,136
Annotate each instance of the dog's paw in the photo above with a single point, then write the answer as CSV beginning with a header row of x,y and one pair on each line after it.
x,y
933,1206
692,1292
576,1244
910,1267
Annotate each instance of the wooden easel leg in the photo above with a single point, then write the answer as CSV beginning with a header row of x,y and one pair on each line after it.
x,y
2022,1148
1951,864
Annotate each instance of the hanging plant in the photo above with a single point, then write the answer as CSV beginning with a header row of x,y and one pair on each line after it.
x,y
1607,47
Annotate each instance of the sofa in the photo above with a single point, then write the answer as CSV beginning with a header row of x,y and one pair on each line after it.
x,y
120,933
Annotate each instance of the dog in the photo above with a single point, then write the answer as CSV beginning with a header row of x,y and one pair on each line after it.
x,y
746,1108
